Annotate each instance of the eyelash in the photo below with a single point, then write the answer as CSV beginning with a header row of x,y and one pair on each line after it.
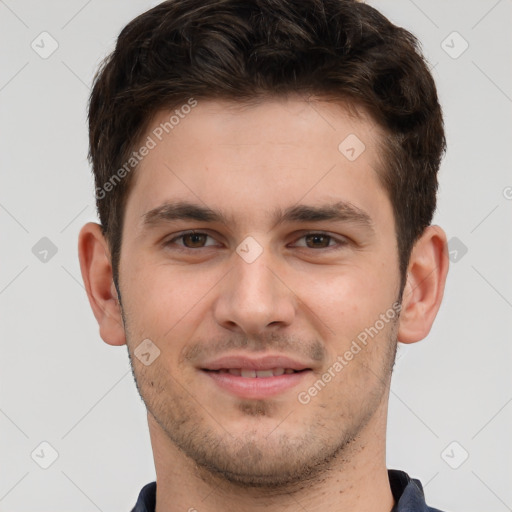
x,y
340,242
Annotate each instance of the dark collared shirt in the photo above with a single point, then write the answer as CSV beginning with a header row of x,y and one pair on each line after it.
x,y
407,492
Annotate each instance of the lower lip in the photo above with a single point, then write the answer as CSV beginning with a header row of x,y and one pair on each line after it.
x,y
256,387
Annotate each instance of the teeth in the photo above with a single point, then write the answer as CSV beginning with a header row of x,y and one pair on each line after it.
x,y
274,372
264,373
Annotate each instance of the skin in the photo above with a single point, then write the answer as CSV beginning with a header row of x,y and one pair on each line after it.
x,y
303,297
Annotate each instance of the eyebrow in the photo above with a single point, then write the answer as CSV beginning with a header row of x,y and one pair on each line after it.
x,y
181,210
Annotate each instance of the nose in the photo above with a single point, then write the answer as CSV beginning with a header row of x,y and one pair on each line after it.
x,y
254,297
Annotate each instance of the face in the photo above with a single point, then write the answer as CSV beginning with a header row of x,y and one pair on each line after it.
x,y
257,253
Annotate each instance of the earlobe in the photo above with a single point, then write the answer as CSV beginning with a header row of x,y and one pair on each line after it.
x,y
423,292
96,268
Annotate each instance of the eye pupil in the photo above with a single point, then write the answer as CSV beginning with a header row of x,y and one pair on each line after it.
x,y
323,240
196,239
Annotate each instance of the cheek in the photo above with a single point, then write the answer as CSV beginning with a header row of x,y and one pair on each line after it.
x,y
346,299
164,298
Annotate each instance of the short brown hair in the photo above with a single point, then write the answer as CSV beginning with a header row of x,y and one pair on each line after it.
x,y
243,51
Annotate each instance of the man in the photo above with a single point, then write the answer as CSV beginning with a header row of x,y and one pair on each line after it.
x,y
266,176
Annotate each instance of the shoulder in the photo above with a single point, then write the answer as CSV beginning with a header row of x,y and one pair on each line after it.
x,y
147,499
408,493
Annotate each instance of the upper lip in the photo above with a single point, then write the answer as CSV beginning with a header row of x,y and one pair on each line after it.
x,y
254,363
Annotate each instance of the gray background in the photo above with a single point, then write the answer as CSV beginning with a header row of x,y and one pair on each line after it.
x,y
60,384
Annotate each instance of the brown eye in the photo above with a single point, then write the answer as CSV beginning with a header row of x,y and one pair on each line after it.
x,y
191,240
317,241
320,240
194,240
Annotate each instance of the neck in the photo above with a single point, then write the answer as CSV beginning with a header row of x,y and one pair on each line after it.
x,y
356,480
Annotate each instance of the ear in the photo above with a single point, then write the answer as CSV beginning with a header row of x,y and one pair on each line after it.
x,y
424,288
96,267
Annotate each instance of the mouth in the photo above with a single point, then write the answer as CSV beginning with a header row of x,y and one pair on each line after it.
x,y
248,383
258,377
260,374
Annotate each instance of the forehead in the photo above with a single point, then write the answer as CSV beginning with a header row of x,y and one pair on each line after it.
x,y
276,120
260,157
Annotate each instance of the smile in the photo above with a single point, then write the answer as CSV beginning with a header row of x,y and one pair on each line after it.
x,y
248,372
256,384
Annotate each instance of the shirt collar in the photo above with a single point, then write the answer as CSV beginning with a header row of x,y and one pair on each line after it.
x,y
407,492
